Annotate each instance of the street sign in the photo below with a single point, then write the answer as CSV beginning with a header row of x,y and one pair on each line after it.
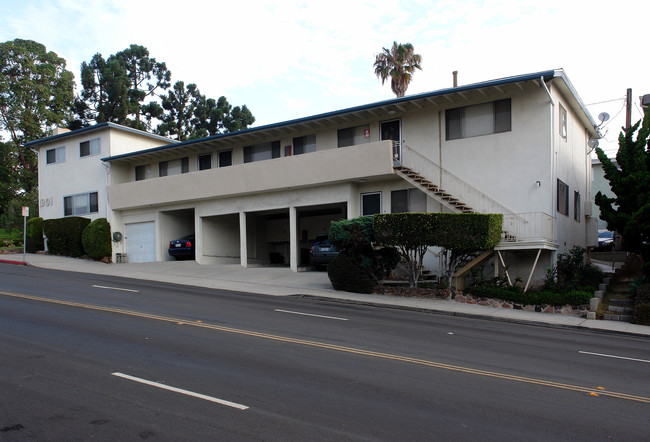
x,y
25,211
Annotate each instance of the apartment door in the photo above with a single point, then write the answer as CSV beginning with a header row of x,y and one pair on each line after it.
x,y
392,130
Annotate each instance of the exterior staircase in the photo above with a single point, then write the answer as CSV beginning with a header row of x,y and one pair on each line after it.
x,y
439,194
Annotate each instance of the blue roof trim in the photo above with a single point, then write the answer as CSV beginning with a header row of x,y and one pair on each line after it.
x,y
546,75
94,128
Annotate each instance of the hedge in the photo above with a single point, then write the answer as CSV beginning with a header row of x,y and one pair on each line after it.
x,y
517,296
34,235
459,232
64,235
96,239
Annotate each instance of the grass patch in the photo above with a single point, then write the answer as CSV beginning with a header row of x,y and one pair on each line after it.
x,y
11,240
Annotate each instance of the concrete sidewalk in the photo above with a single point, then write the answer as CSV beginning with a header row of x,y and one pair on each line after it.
x,y
281,281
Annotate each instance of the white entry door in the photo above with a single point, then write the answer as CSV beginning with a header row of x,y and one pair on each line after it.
x,y
141,242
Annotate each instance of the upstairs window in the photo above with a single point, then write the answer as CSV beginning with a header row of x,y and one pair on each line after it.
x,y
562,198
174,167
142,172
56,155
479,119
304,144
576,206
352,136
80,204
262,151
90,147
225,158
205,161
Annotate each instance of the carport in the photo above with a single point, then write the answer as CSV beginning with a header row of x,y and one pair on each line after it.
x,y
174,224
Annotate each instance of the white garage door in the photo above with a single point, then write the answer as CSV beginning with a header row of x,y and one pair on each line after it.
x,y
141,242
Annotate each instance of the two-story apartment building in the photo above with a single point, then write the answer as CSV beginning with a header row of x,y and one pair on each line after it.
x,y
516,146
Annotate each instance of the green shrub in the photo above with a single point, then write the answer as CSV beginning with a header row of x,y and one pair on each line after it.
x,y
64,235
571,272
96,239
35,241
641,314
355,238
346,274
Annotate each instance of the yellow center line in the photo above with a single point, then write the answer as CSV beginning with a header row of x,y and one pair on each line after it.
x,y
357,351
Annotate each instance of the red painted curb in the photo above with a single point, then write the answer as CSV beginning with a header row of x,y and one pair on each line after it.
x,y
7,261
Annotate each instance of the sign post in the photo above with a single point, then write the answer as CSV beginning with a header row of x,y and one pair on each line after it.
x,y
25,215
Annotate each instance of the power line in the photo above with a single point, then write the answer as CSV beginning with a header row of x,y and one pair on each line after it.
x,y
606,101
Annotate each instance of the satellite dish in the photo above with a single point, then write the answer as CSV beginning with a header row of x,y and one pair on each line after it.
x,y
592,143
603,116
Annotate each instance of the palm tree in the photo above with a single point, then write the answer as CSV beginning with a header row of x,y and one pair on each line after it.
x,y
398,63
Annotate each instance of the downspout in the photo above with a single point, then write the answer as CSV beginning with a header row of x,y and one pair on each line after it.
x,y
108,171
553,183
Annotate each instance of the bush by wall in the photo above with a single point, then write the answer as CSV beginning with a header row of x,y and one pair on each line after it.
x,y
96,239
64,235
355,238
34,235
517,296
346,274
641,314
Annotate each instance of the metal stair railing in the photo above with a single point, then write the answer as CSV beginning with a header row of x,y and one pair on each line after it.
x,y
472,197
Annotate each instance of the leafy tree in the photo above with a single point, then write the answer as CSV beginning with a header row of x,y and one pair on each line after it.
x,y
180,105
146,76
104,91
218,116
8,183
120,88
399,64
36,94
461,234
629,211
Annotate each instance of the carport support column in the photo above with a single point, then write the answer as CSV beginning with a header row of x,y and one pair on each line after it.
x,y
293,239
243,246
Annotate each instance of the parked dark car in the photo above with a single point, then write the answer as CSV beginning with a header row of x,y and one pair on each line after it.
x,y
321,251
182,248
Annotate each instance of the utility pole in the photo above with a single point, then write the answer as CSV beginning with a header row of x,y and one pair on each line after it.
x,y
628,109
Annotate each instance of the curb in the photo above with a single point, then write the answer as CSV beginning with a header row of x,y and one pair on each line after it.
x,y
9,261
577,327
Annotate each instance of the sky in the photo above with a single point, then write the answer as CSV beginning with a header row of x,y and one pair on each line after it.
x,y
291,59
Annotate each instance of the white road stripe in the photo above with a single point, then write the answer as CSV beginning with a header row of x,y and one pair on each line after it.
x,y
310,314
114,288
179,390
613,356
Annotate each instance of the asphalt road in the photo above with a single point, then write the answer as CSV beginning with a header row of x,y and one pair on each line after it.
x,y
87,357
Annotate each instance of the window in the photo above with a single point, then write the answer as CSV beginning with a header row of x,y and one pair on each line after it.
x,y
142,172
90,147
408,200
563,122
480,119
354,135
562,198
174,167
304,144
370,203
576,206
225,158
80,204
56,155
205,161
262,151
